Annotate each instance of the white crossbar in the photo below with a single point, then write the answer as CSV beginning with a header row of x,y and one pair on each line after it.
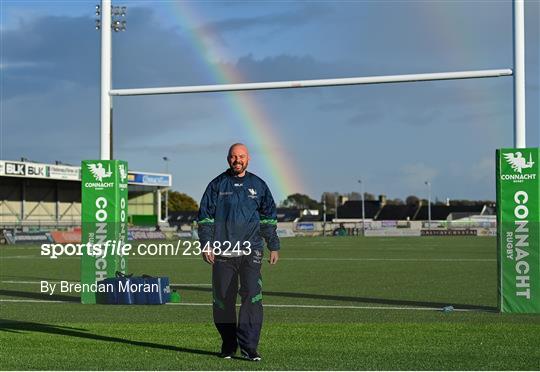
x,y
313,83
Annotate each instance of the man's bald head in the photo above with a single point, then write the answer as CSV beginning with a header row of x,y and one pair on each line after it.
x,y
240,146
238,159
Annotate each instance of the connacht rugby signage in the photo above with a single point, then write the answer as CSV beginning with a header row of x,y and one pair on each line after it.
x,y
518,235
104,221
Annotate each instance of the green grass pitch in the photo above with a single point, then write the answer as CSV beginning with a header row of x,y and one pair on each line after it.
x,y
330,303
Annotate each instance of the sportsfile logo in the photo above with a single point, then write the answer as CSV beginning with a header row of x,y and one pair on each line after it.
x,y
522,168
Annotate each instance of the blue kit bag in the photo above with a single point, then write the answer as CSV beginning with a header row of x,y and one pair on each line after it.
x,y
160,290
130,290
109,297
124,296
118,290
139,297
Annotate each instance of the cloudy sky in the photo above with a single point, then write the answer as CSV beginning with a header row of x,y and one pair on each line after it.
x,y
393,136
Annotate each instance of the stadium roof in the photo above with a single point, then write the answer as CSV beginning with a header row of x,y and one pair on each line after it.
x,y
25,169
441,212
397,212
353,209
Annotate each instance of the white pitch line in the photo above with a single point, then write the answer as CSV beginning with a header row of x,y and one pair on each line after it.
x,y
358,259
44,301
24,282
39,282
298,306
390,259
309,259
333,307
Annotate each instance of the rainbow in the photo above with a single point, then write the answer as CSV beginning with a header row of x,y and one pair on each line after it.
x,y
279,171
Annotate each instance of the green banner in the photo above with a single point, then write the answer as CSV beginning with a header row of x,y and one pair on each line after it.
x,y
104,221
518,232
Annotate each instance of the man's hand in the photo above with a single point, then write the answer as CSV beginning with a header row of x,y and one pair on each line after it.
x,y
208,257
274,257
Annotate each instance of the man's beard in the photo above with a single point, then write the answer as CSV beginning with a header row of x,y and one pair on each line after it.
x,y
242,169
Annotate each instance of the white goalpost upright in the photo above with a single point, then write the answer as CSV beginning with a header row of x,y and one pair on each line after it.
x,y
519,74
106,80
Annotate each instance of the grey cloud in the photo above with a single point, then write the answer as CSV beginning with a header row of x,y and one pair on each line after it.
x,y
281,67
280,21
51,87
49,50
179,148
45,55
45,70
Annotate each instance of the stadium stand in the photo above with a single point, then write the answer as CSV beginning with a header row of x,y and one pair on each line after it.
x,y
288,214
378,211
396,212
49,195
182,218
311,218
353,209
441,212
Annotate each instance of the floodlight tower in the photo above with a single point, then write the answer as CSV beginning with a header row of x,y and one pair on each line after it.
x,y
324,213
428,184
363,208
166,160
108,18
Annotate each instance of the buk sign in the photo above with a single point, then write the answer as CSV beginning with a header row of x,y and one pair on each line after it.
x,y
518,232
104,219
14,169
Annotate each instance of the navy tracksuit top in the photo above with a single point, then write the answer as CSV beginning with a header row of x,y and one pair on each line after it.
x,y
238,209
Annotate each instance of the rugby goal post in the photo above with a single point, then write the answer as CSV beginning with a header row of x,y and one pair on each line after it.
x,y
519,280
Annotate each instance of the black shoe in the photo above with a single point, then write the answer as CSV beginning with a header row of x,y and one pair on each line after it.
x,y
251,355
226,355
227,352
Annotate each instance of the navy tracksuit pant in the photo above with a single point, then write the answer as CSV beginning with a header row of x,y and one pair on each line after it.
x,y
227,273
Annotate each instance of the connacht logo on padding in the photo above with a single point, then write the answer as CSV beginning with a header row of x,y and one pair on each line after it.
x,y
99,172
123,173
518,162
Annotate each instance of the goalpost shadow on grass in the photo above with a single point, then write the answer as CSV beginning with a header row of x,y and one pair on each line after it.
x,y
14,326
368,300
39,296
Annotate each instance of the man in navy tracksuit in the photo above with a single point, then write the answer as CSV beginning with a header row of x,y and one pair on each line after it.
x,y
237,211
